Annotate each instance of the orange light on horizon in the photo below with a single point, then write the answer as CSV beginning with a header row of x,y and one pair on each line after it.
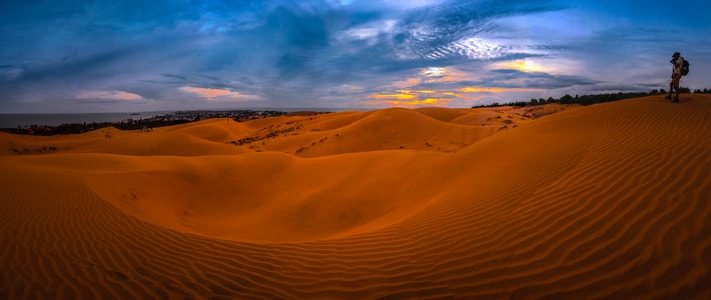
x,y
401,96
476,89
429,101
426,101
413,102
416,91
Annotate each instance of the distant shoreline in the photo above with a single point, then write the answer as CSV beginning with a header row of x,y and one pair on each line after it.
x,y
12,120
55,119
86,122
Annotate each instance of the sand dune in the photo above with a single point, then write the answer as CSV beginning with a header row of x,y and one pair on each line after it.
x,y
603,201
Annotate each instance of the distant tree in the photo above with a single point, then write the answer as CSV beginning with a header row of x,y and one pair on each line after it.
x,y
654,92
585,100
662,91
566,99
684,90
534,102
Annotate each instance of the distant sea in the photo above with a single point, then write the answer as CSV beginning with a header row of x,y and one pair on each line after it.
x,y
23,120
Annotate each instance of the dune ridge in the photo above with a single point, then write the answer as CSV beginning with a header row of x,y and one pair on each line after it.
x,y
605,201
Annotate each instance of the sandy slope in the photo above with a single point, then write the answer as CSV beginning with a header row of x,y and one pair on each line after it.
x,y
605,201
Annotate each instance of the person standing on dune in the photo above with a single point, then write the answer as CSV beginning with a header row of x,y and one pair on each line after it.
x,y
677,61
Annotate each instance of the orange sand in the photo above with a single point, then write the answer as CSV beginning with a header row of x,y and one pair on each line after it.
x,y
604,201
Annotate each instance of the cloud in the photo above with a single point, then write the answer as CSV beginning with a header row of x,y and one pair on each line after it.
x,y
474,89
107,95
324,53
413,98
218,94
401,96
368,31
452,30
207,92
423,102
523,65
283,51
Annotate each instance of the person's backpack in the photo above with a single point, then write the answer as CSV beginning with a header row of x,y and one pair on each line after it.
x,y
685,67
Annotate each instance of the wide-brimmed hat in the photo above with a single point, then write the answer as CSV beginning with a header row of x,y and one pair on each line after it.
x,y
676,54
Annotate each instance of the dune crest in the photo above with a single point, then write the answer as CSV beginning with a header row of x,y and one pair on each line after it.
x,y
603,201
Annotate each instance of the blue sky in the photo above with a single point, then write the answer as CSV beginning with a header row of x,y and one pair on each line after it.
x,y
114,56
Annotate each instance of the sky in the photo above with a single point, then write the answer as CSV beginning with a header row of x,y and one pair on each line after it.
x,y
74,56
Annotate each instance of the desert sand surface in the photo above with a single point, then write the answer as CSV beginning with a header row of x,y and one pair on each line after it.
x,y
606,201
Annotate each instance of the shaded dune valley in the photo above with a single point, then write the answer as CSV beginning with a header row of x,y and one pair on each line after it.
x,y
609,201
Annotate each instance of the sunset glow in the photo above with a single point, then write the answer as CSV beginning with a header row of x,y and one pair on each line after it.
x,y
523,65
426,101
108,95
98,56
392,96
355,149
467,95
416,97
473,89
212,94
206,92
434,72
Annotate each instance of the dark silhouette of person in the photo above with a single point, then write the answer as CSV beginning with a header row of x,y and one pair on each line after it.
x,y
677,61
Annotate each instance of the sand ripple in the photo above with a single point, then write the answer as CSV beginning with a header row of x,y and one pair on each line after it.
x,y
606,201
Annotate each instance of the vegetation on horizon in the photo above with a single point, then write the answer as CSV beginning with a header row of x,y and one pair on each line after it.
x,y
591,99
241,115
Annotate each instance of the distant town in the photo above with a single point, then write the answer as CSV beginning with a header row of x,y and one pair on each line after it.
x,y
148,123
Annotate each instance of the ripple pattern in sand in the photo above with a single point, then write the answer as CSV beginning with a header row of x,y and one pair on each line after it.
x,y
625,218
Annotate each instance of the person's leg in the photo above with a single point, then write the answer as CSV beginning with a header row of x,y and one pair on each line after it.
x,y
677,77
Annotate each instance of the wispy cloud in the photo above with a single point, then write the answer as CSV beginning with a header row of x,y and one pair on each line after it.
x,y
332,53
218,94
108,95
